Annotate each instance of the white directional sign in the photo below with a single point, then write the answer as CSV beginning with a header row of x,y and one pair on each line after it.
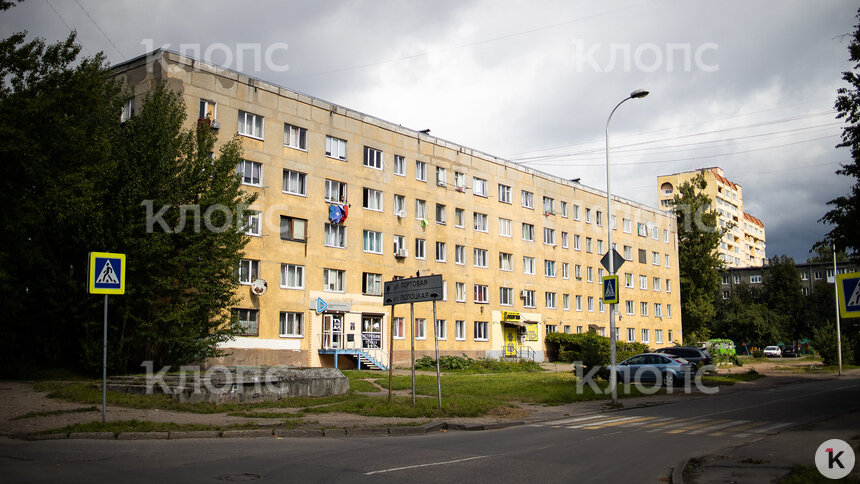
x,y
414,289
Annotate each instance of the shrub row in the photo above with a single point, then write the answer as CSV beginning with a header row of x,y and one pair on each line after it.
x,y
469,365
589,348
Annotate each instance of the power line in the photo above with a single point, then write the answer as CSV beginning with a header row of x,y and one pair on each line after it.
x,y
100,29
67,25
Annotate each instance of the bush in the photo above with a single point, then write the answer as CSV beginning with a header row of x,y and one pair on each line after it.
x,y
590,348
758,353
824,341
465,364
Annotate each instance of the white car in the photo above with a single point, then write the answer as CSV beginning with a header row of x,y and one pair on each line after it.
x,y
773,351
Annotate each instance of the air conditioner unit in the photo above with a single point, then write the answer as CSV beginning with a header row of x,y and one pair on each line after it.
x,y
401,253
401,214
524,293
215,124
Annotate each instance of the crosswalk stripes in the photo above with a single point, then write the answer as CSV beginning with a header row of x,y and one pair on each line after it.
x,y
669,425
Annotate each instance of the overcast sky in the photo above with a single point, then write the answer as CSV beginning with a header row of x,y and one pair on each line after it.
x,y
748,86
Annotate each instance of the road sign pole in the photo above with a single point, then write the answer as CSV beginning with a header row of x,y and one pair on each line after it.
x,y
412,337
104,365
438,373
838,331
390,352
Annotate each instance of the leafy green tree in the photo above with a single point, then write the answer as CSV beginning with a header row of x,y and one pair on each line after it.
x,y
743,319
844,217
699,265
784,296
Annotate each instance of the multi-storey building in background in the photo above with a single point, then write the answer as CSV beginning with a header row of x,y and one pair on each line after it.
x,y
810,273
347,201
744,244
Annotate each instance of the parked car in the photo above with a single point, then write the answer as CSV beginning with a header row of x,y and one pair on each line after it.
x,y
697,357
791,351
653,367
772,351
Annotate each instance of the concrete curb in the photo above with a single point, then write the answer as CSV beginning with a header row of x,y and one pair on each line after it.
x,y
194,434
678,472
93,435
142,435
247,434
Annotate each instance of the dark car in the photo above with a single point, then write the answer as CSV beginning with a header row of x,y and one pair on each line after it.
x,y
791,352
653,367
697,357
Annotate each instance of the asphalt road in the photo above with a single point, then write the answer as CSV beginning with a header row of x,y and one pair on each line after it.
x,y
637,445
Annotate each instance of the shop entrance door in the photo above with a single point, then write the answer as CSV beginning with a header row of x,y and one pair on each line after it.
x,y
333,331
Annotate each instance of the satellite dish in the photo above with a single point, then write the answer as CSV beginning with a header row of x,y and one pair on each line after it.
x,y
259,287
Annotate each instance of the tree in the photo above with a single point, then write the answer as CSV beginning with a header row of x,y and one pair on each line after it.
x,y
699,265
784,295
743,320
845,214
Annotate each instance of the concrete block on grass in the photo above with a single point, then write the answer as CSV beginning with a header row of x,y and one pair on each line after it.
x,y
142,435
411,430
334,432
93,435
195,434
294,433
246,434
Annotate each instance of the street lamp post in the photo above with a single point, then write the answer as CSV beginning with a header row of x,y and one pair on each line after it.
x,y
613,375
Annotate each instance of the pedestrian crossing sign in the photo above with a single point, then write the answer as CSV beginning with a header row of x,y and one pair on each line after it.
x,y
848,288
610,290
106,273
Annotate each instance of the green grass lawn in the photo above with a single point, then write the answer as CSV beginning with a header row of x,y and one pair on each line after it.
x,y
730,379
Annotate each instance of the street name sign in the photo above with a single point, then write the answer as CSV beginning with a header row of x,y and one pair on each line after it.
x,y
848,287
412,290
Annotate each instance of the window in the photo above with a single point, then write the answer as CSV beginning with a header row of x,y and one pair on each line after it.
x,y
658,336
479,186
588,215
563,208
669,315
577,271
420,328
655,258
335,236
589,274
372,242
420,249
643,309
292,324
335,191
295,137
643,256
333,280
399,165
627,225
548,206
565,298
655,283
550,300
372,199
371,284
420,209
506,296
506,261
441,176
579,303
528,232
481,295
528,298
481,333
460,330
641,229
756,279
250,125
667,260
398,328
461,291
460,181
292,276
590,304
294,183
528,265
459,254
528,199
504,194
577,242
643,282
548,236
598,218
372,158
480,256
249,321
208,110
565,270
399,243
399,205
335,148
249,271
504,227
658,312
645,337
564,240
588,247
599,246
252,223
420,171
666,240
668,285
631,335
628,305
725,279
549,268
293,228
551,328
628,280
576,212
481,224
441,252
441,329
655,233
459,217
252,173
628,252
440,214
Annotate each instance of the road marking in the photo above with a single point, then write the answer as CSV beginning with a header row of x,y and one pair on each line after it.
x,y
573,420
730,423
696,426
600,423
771,428
676,423
418,466
624,422
746,426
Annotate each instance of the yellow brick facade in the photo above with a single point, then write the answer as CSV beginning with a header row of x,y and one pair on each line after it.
x,y
743,245
495,252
